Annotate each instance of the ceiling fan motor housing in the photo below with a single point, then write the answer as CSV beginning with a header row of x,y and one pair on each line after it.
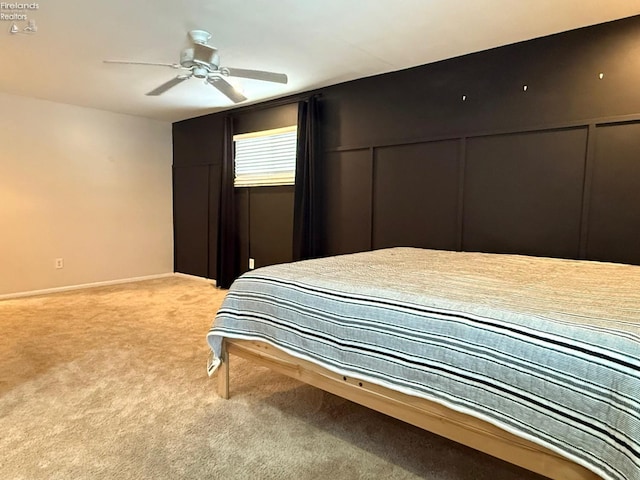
x,y
204,56
199,36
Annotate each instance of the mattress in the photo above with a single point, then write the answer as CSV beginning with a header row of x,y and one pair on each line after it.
x,y
547,349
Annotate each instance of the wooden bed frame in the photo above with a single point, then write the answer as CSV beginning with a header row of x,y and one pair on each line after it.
x,y
422,413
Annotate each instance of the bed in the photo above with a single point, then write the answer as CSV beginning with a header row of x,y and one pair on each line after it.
x,y
532,360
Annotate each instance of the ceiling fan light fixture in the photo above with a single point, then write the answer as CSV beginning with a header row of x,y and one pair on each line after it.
x,y
186,58
199,71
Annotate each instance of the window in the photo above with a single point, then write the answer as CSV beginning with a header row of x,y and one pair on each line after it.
x,y
266,158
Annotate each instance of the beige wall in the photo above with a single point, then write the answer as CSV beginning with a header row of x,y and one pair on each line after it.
x,y
88,186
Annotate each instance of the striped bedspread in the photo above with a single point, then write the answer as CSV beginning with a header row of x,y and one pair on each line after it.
x,y
548,349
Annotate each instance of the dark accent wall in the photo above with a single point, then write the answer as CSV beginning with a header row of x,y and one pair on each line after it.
x,y
191,220
560,71
270,226
197,160
265,214
459,155
197,167
266,118
265,225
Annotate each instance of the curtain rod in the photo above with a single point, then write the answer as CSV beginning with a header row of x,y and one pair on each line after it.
x,y
278,102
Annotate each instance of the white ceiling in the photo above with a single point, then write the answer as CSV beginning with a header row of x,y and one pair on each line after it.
x,y
315,42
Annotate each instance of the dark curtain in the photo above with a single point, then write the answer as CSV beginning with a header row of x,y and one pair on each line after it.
x,y
305,208
227,265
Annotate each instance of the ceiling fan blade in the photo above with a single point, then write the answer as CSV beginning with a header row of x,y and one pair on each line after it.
x,y
258,75
226,88
203,54
172,65
167,85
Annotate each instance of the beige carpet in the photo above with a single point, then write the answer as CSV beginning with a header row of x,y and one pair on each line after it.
x,y
110,383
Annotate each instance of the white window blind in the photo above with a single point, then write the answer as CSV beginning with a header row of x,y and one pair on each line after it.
x,y
266,158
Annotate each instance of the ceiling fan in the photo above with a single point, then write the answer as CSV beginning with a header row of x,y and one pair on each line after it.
x,y
202,61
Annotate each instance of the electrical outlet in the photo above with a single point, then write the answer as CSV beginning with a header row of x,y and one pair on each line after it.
x,y
252,264
59,263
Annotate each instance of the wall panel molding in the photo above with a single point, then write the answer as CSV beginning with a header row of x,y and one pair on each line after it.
x,y
347,188
416,191
523,192
583,249
598,122
614,203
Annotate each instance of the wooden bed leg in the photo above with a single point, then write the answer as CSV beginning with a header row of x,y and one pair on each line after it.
x,y
223,373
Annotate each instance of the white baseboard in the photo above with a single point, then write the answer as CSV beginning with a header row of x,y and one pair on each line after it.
x,y
85,285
